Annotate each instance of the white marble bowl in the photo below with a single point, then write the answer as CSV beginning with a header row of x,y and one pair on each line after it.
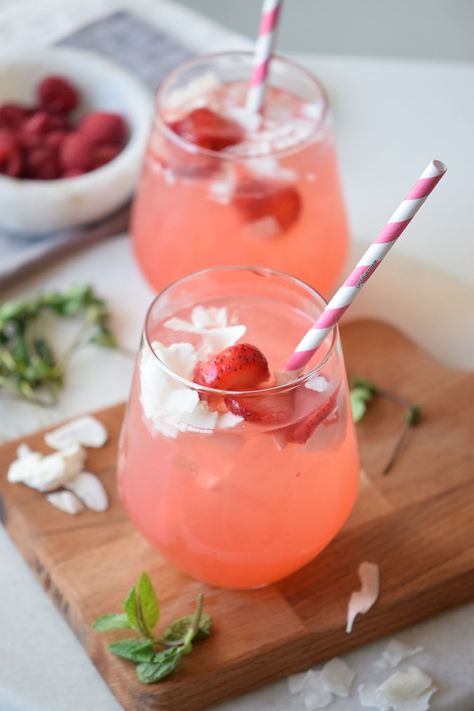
x,y
33,208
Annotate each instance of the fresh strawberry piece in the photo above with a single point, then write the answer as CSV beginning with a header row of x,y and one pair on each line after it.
x,y
11,161
238,367
303,430
103,127
256,199
13,116
76,152
57,95
269,409
41,163
101,155
209,130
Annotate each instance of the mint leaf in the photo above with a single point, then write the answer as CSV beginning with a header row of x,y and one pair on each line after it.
x,y
358,407
135,650
130,607
148,602
111,622
180,627
163,664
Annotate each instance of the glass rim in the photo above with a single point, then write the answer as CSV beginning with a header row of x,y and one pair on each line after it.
x,y
274,389
159,121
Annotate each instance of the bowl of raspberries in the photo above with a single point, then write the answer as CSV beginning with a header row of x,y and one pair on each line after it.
x,y
73,131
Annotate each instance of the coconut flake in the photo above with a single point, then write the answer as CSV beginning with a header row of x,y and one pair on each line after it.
x,y
338,676
316,692
403,691
86,431
90,490
65,501
228,420
395,652
318,383
47,473
23,450
296,682
362,600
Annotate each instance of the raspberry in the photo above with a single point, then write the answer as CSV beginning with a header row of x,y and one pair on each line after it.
x,y
104,154
76,152
41,122
11,162
13,116
54,139
41,163
103,127
57,95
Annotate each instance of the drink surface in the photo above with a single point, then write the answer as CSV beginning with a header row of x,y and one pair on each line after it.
x,y
241,504
271,198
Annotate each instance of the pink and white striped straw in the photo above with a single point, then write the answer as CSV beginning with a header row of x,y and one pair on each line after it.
x,y
263,51
346,294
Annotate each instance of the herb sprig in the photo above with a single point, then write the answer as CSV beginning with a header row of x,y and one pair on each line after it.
x,y
155,656
29,368
363,392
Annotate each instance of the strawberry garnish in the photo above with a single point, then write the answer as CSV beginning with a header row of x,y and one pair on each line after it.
x,y
276,409
206,129
238,367
304,429
256,199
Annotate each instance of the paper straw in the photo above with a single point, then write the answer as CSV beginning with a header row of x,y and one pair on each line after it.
x,y
263,51
344,297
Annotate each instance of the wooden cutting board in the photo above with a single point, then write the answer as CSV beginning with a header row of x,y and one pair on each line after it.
x,y
417,523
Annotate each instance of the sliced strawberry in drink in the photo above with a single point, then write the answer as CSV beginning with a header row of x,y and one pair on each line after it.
x,y
238,367
209,130
276,409
303,430
256,199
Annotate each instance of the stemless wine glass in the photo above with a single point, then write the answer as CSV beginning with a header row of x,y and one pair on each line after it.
x,y
245,192
236,501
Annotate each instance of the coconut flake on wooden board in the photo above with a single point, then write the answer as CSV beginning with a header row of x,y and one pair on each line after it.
x,y
49,472
86,431
318,687
394,653
362,600
403,691
65,501
89,489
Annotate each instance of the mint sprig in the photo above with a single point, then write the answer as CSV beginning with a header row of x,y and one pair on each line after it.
x,y
156,656
363,392
29,368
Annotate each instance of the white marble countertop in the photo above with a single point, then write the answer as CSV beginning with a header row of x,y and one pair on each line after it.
x,y
391,118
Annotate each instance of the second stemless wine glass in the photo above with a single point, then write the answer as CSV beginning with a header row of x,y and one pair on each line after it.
x,y
237,502
273,198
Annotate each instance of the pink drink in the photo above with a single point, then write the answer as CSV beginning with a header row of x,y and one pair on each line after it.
x,y
233,502
245,191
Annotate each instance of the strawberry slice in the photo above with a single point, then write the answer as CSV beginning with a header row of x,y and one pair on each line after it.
x,y
256,199
263,409
303,430
237,367
206,129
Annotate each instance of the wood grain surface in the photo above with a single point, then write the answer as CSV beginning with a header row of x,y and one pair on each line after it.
x,y
417,523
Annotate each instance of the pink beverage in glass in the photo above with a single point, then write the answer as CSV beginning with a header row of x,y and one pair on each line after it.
x,y
237,488
221,185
